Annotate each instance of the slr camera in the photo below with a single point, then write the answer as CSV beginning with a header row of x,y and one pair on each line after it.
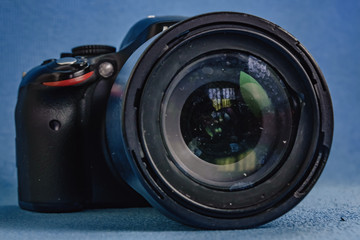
x,y
220,121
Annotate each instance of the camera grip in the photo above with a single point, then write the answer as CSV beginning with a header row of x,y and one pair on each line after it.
x,y
51,172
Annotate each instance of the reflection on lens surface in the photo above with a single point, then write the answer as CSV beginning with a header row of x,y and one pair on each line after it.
x,y
235,120
218,126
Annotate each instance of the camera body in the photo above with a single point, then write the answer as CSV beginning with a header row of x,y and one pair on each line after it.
x,y
220,121
61,155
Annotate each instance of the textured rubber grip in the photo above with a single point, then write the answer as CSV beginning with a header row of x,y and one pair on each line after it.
x,y
51,176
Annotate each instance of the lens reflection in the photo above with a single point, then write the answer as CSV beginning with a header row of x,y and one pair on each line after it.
x,y
218,126
234,119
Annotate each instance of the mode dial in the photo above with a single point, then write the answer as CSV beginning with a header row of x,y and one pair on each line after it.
x,y
92,50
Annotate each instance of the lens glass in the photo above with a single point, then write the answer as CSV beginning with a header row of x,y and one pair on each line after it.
x,y
227,120
218,126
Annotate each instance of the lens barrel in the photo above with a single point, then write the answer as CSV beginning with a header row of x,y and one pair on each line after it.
x,y
223,121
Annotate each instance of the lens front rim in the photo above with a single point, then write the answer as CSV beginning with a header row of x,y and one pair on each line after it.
x,y
158,153
151,184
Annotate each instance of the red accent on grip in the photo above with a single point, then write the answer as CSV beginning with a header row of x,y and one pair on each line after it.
x,y
71,81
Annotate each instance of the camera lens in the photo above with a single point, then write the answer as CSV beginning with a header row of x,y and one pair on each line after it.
x,y
234,123
223,121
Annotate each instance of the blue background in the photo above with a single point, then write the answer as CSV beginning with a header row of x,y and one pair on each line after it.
x,y
32,31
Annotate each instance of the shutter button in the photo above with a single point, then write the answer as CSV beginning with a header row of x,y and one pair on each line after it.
x,y
66,61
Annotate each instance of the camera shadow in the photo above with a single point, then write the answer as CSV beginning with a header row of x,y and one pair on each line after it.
x,y
128,219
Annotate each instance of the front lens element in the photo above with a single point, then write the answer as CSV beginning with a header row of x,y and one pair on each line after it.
x,y
218,126
227,120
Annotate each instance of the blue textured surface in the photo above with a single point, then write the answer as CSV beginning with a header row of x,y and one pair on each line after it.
x,y
31,31
329,212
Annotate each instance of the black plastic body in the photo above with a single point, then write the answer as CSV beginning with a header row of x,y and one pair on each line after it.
x,y
64,168
78,146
